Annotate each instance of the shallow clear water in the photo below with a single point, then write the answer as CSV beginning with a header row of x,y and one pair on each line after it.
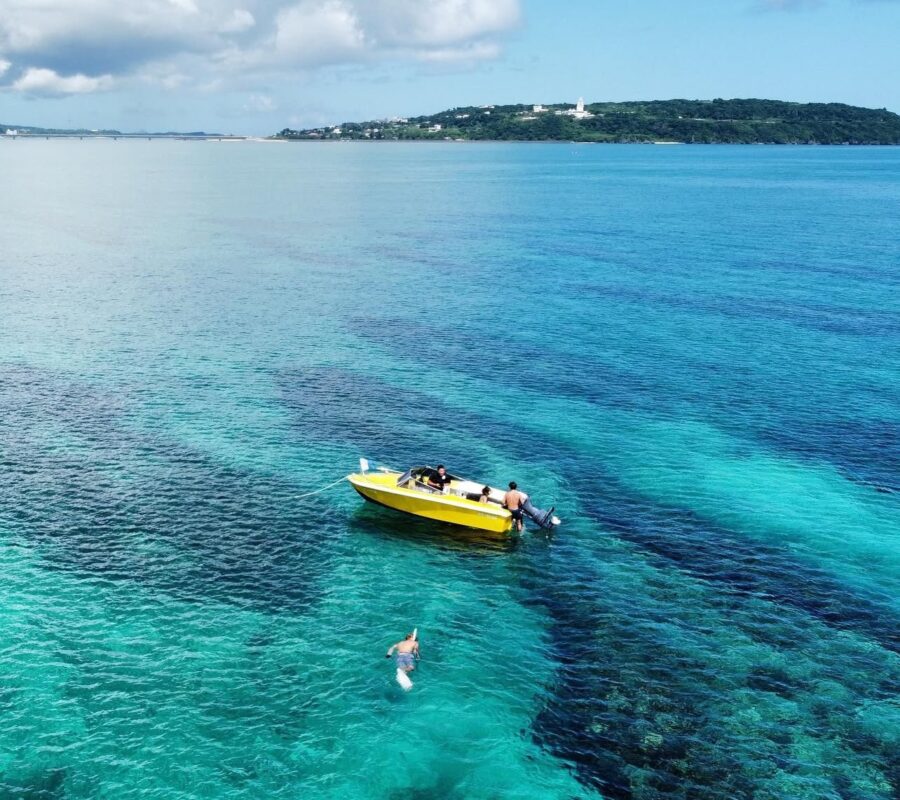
x,y
693,352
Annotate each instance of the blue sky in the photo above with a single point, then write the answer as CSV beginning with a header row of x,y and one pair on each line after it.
x,y
256,66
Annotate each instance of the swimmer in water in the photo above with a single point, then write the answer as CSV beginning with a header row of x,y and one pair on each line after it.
x,y
407,653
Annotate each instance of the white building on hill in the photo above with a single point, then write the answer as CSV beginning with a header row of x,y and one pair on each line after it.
x,y
578,112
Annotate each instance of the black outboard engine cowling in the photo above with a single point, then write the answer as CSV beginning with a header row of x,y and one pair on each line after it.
x,y
544,519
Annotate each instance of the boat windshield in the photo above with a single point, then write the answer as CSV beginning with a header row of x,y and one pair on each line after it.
x,y
420,475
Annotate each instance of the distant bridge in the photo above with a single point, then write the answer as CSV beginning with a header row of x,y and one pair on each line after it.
x,y
182,137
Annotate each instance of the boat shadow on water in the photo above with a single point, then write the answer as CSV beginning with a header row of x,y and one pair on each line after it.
x,y
388,524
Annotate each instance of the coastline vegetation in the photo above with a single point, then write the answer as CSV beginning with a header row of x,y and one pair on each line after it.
x,y
686,121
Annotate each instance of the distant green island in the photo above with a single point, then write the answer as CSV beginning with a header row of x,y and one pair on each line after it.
x,y
657,121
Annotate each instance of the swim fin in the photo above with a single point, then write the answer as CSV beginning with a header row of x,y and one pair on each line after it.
x,y
403,680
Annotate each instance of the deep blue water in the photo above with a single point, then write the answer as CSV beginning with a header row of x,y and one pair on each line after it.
x,y
693,352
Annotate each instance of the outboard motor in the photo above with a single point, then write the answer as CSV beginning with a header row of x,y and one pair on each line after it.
x,y
544,519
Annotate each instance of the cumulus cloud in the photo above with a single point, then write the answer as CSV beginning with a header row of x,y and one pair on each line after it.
x,y
240,20
48,83
316,33
438,22
479,51
260,103
74,44
94,37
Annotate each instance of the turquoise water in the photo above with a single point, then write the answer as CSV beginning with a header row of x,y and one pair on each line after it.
x,y
694,353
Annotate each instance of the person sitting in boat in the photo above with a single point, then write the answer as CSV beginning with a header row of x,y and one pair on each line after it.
x,y
485,495
513,501
440,479
407,652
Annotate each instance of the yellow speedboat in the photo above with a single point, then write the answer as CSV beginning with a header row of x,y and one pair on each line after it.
x,y
458,504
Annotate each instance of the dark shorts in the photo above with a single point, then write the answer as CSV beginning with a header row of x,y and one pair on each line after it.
x,y
516,514
405,661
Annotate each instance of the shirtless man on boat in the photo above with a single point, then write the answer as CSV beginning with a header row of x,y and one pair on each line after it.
x,y
407,652
513,501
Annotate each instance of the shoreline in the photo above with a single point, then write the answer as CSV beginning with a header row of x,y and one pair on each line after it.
x,y
287,140
580,141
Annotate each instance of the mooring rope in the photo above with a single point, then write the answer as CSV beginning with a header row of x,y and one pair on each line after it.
x,y
319,491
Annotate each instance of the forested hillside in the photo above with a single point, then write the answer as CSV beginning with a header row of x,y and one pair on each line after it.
x,y
689,121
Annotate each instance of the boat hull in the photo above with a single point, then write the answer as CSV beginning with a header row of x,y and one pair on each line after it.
x,y
381,489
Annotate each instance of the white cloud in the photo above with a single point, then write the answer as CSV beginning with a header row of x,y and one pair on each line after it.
x,y
29,25
316,33
479,51
173,80
439,22
228,42
239,21
4,66
47,82
188,6
260,103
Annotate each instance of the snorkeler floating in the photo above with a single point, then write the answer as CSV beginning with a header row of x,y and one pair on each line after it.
x,y
407,655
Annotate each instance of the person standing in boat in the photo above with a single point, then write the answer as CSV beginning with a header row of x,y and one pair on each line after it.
x,y
407,652
512,501
440,479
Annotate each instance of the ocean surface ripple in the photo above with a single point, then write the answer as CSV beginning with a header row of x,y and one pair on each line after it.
x,y
694,353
